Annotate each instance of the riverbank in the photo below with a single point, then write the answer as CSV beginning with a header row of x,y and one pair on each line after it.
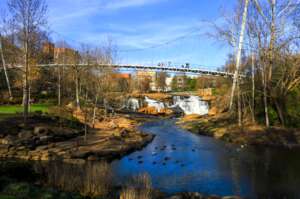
x,y
51,138
222,127
23,179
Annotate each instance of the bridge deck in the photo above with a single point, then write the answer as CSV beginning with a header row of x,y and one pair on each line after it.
x,y
152,68
196,71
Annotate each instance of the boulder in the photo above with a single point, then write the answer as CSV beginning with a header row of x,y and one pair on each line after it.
x,y
41,130
46,138
4,148
25,135
81,154
124,133
42,148
231,197
112,125
188,195
213,111
213,197
8,140
93,158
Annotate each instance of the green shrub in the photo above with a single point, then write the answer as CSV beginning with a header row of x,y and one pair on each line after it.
x,y
7,197
19,190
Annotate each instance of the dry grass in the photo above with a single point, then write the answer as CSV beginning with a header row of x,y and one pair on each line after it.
x,y
91,179
139,188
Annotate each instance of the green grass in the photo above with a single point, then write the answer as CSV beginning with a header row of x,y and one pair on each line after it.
x,y
13,109
7,197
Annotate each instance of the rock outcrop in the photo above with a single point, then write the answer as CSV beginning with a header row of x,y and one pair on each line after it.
x,y
43,140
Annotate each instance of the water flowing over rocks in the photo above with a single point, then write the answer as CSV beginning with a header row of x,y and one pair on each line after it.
x,y
133,104
187,105
192,105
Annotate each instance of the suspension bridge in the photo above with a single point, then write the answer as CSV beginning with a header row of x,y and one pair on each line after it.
x,y
170,69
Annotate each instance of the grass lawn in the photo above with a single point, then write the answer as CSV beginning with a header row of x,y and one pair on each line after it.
x,y
11,110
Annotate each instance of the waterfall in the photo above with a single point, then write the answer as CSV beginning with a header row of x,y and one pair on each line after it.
x,y
191,105
153,103
133,104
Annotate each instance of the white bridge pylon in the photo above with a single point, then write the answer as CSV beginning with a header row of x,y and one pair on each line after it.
x,y
196,71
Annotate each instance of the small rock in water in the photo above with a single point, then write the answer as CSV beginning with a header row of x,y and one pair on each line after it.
x,y
231,197
154,162
130,159
164,164
174,149
140,162
154,153
167,158
156,148
193,150
139,157
182,165
177,161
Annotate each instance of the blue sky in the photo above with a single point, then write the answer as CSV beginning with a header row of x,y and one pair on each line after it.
x,y
144,31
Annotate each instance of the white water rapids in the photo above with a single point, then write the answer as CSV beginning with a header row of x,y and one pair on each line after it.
x,y
189,105
153,103
133,104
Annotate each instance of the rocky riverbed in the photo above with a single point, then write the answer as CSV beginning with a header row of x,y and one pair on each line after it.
x,y
45,138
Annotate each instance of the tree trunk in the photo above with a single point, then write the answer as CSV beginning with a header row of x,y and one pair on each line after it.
x,y
5,70
265,98
272,40
94,111
105,107
59,86
280,109
240,119
77,88
85,126
239,53
253,88
26,83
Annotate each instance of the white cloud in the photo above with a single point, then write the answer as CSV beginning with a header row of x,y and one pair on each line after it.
x,y
119,4
73,9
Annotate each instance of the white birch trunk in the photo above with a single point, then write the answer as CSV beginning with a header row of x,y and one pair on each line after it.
x,y
5,70
239,53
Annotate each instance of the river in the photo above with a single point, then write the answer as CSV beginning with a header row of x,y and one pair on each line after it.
x,y
178,161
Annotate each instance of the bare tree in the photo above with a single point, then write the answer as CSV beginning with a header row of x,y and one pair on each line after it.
x,y
4,23
271,41
5,69
28,16
160,81
238,61
274,34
